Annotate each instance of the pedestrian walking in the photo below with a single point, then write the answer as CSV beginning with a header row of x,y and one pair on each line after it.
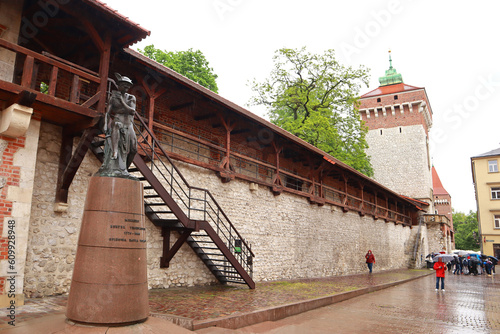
x,y
370,260
440,269
488,266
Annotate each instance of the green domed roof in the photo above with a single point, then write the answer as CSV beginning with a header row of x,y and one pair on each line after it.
x,y
391,77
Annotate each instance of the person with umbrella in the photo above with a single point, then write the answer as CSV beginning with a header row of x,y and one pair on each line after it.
x,y
488,265
440,268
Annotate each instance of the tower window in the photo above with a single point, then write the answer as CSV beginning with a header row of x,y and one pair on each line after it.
x,y
395,97
378,100
380,132
400,130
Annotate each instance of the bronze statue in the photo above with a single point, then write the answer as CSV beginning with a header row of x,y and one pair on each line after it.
x,y
121,143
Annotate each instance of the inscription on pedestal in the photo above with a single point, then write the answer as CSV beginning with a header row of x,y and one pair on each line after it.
x,y
127,232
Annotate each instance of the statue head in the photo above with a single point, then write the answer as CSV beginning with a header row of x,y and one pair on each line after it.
x,y
123,80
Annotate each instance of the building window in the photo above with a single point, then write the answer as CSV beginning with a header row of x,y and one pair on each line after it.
x,y
495,193
378,100
395,97
492,166
497,221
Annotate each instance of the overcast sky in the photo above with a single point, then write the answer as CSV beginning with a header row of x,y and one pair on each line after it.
x,y
449,47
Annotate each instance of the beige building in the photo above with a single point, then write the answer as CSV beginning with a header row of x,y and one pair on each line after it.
x,y
486,177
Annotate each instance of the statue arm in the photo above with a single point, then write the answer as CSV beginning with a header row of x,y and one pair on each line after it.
x,y
130,103
107,117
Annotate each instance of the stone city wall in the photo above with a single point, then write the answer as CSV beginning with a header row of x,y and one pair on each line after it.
x,y
290,237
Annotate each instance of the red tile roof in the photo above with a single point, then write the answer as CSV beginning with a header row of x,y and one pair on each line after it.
x,y
391,89
437,185
142,32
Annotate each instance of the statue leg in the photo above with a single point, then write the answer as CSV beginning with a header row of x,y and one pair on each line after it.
x,y
132,147
115,138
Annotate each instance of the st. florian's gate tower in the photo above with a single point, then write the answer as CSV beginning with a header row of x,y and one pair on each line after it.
x,y
399,117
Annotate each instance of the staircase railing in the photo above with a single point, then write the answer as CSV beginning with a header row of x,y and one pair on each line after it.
x,y
198,204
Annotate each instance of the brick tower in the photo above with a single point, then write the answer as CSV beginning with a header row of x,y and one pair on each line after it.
x,y
399,118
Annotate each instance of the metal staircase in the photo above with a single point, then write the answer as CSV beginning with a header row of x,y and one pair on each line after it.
x,y
172,204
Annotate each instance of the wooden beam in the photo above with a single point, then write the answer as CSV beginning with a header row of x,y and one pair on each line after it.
x,y
75,89
104,72
169,253
24,98
181,106
53,81
69,163
28,72
237,132
204,117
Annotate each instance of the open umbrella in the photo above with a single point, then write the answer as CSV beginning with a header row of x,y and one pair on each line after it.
x,y
493,259
461,253
445,257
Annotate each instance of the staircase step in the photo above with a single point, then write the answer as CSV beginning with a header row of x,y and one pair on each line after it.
x,y
217,260
237,282
201,247
159,212
152,196
156,204
213,254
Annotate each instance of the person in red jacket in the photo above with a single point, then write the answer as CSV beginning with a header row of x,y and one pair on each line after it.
x,y
440,268
370,260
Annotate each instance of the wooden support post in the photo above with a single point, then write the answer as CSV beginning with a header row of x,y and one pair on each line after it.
x,y
27,78
165,233
169,254
64,158
53,81
277,184
227,170
104,72
69,163
362,204
75,90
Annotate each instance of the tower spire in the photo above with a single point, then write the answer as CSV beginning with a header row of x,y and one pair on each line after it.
x,y
391,77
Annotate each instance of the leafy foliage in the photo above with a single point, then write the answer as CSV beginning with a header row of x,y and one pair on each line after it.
x,y
191,64
466,231
315,98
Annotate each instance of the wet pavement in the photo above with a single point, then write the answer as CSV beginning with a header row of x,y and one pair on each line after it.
x,y
471,304
208,302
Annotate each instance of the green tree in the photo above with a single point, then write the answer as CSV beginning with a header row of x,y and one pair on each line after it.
x,y
191,64
466,231
315,98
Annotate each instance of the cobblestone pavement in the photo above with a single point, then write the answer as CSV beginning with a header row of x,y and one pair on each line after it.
x,y
470,304
208,302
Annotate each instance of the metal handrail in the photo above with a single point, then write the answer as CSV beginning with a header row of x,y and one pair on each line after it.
x,y
212,212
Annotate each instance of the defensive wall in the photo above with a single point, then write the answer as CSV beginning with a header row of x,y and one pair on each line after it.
x,y
290,237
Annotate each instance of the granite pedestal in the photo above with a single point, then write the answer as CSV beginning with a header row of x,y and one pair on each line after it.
x,y
109,284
